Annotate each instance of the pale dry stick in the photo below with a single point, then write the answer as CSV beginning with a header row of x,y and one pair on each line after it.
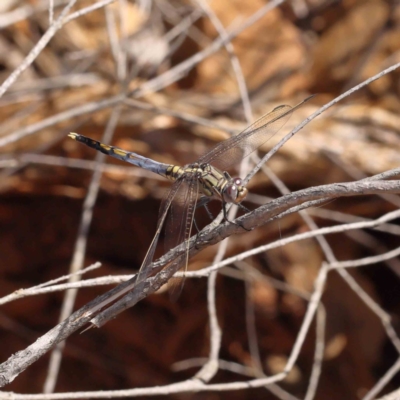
x,y
328,252
92,107
295,238
39,149
14,120
254,219
368,52
78,256
116,279
24,12
369,302
74,112
356,173
189,386
244,94
180,29
87,10
385,318
183,26
145,6
52,83
97,106
88,206
40,45
383,381
115,44
361,262
339,216
237,369
252,336
375,308
81,242
391,173
24,358
68,277
35,291
312,308
251,330
123,14
319,353
83,355
316,114
174,18
211,367
175,73
304,215
51,11
177,43
300,8
209,370
331,215
306,205
44,287
253,274
224,364
179,114
391,396
371,243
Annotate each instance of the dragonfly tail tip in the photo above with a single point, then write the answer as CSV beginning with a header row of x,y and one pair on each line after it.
x,y
73,135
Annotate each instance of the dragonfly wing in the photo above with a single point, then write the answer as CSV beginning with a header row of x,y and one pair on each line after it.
x,y
234,149
165,206
178,226
122,290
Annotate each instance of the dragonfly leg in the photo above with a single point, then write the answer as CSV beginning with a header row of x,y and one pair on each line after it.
x,y
232,222
243,207
203,203
196,226
208,212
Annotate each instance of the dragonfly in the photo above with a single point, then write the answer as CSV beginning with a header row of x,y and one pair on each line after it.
x,y
208,178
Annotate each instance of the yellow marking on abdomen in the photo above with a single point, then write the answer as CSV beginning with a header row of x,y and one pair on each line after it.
x,y
174,172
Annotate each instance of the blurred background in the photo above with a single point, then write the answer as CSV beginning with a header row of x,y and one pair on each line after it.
x,y
183,95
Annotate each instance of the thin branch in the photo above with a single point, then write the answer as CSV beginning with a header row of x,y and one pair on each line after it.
x,y
254,219
383,381
40,45
78,256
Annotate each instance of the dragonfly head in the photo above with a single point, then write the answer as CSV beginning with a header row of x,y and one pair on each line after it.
x,y
234,191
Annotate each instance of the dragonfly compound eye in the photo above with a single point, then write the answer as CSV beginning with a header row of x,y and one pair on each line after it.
x,y
235,192
242,193
230,193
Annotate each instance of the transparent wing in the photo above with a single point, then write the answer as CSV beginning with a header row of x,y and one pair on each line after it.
x,y
166,203
144,271
234,149
179,224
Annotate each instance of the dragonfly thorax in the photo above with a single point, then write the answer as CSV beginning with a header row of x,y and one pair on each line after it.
x,y
215,183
